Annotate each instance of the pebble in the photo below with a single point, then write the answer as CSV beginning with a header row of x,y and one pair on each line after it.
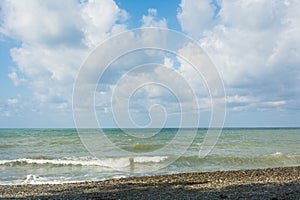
x,y
272,183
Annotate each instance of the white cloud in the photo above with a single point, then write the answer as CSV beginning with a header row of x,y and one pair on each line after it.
x,y
203,75
43,22
10,107
55,39
51,51
12,101
151,20
101,19
159,91
254,44
196,16
239,99
252,15
168,62
276,103
6,114
15,79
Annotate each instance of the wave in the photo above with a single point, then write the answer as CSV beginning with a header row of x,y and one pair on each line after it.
x,y
143,147
107,162
6,146
275,158
23,161
36,180
279,155
33,179
271,159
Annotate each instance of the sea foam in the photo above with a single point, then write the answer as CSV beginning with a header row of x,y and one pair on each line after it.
x,y
107,162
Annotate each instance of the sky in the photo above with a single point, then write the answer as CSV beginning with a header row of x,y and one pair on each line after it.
x,y
254,45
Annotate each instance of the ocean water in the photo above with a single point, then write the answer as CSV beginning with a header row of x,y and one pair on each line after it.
x,y
36,156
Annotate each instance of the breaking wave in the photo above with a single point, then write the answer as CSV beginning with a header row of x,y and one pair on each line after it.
x,y
108,162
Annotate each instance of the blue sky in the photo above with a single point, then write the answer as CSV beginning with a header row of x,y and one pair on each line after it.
x,y
253,44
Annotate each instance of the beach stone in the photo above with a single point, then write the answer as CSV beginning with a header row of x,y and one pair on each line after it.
x,y
273,183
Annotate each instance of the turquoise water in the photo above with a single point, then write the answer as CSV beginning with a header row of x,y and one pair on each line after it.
x,y
58,155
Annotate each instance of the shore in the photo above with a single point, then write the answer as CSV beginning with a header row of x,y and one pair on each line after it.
x,y
272,183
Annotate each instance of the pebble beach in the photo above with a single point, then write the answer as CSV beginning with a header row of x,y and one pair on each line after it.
x,y
271,183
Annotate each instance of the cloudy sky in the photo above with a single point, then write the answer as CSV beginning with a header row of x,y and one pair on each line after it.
x,y
254,45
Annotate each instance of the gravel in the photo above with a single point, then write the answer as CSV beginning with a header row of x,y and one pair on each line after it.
x,y
271,184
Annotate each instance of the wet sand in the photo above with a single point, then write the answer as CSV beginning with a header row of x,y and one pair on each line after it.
x,y
273,183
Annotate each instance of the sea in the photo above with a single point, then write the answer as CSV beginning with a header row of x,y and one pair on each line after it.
x,y
53,156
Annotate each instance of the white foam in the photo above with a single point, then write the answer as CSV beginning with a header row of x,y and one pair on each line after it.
x,y
154,159
37,180
278,154
53,162
107,162
33,179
